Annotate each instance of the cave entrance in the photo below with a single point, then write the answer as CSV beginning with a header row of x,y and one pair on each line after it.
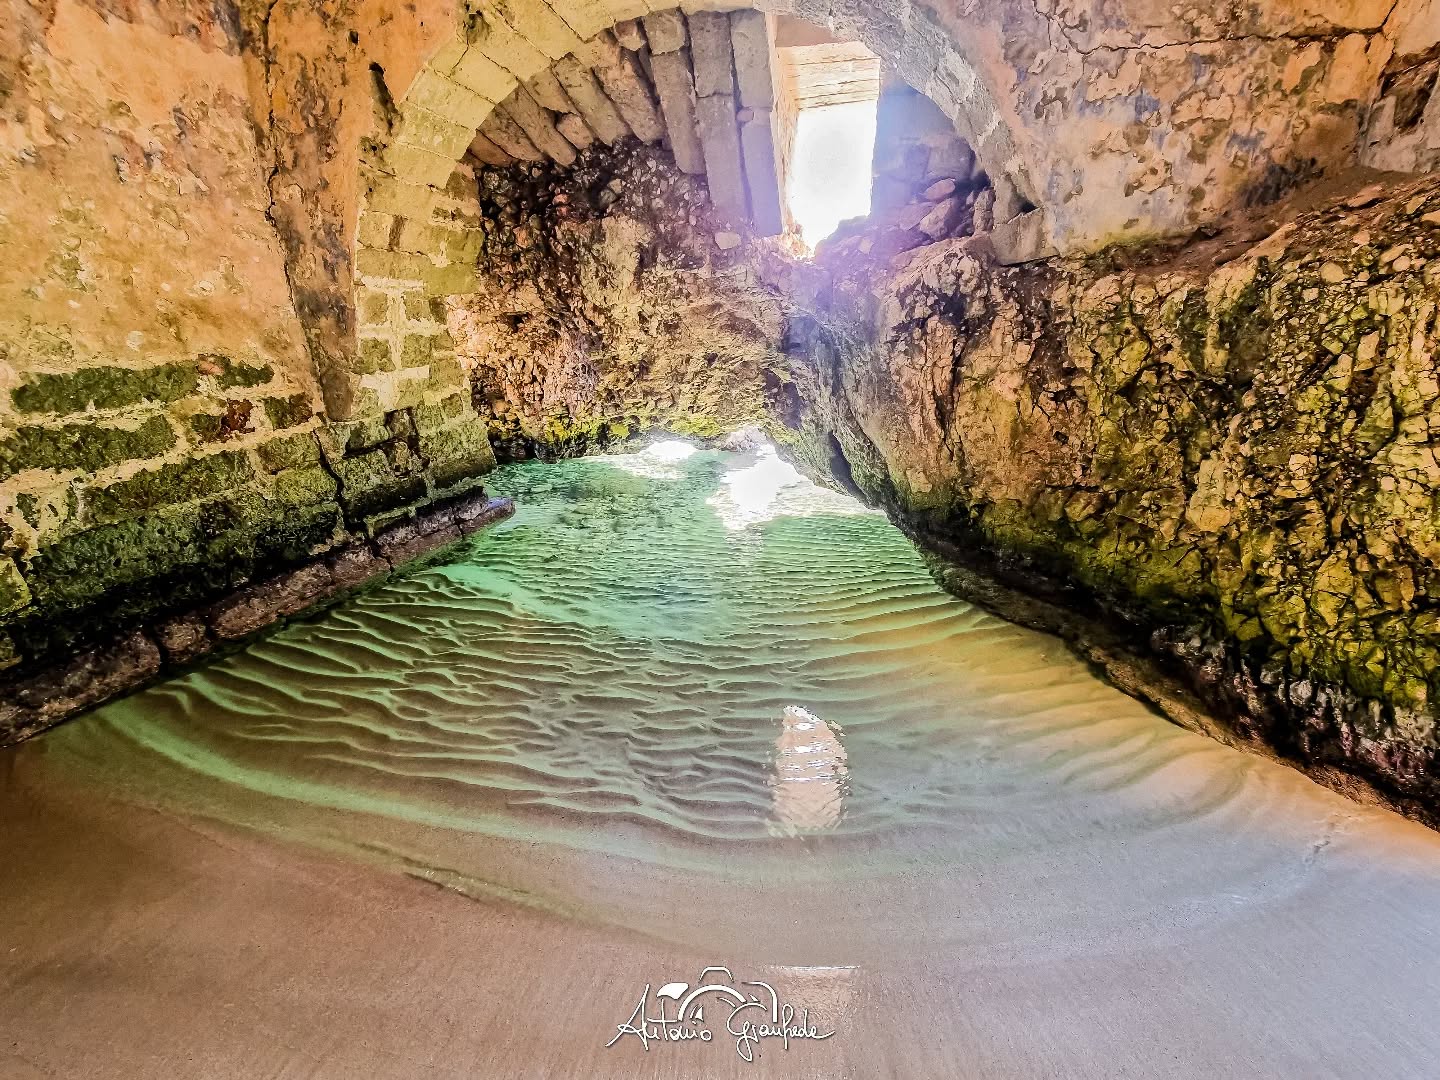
x,y
827,92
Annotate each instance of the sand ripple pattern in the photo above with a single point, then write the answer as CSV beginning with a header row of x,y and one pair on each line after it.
x,y
695,662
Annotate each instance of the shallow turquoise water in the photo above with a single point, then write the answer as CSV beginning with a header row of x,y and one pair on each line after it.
x,y
687,710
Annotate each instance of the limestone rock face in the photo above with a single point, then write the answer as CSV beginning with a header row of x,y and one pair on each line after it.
x,y
612,302
1229,447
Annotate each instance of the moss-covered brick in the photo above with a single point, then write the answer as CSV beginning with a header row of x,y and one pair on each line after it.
x,y
14,593
90,585
289,452
229,372
433,416
364,434
184,481
422,308
309,486
418,349
372,356
370,485
208,428
104,388
86,447
286,412
458,453
235,420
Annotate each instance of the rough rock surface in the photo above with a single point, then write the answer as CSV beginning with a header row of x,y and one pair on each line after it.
x,y
1229,448
611,301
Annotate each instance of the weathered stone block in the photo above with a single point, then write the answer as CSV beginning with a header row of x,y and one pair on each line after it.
x,y
539,127
419,348
539,25
480,74
435,134
628,88
487,153
762,180
405,542
594,105
463,248
576,132
629,35
447,99
750,40
289,411
942,218
723,171
478,511
370,485
180,482
259,606
422,308
84,447
395,265
183,638
104,388
502,129
666,32
458,453
392,195
355,565
545,88
373,355
234,373
711,51
374,304
450,279
33,704
306,485
289,452
418,166
432,416
671,72
1023,239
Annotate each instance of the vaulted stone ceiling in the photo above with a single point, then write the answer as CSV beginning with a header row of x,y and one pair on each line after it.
x,y
1116,120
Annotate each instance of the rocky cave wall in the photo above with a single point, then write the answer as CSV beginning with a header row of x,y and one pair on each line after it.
x,y
1226,448
162,435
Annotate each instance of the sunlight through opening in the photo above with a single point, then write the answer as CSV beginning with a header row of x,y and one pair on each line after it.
x,y
830,182
828,91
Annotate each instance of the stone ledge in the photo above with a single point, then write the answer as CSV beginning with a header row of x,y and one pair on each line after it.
x,y
32,704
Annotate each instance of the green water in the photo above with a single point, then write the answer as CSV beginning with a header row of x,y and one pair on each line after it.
x,y
668,671
686,710
707,645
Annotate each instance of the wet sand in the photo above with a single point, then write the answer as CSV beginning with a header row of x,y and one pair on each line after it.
x,y
457,826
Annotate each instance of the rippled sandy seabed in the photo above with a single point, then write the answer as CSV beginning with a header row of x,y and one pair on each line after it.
x,y
684,710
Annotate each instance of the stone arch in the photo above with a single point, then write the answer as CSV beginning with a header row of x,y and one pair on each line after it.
x,y
413,246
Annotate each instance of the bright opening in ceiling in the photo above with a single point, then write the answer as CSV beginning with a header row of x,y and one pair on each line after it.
x,y
826,104
830,182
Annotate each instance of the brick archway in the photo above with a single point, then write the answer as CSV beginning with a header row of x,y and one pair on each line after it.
x,y
413,243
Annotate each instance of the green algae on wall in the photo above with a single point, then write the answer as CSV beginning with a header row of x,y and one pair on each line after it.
x,y
1228,448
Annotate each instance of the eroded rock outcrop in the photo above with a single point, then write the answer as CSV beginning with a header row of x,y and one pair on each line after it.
x,y
613,299
1229,447
1221,450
